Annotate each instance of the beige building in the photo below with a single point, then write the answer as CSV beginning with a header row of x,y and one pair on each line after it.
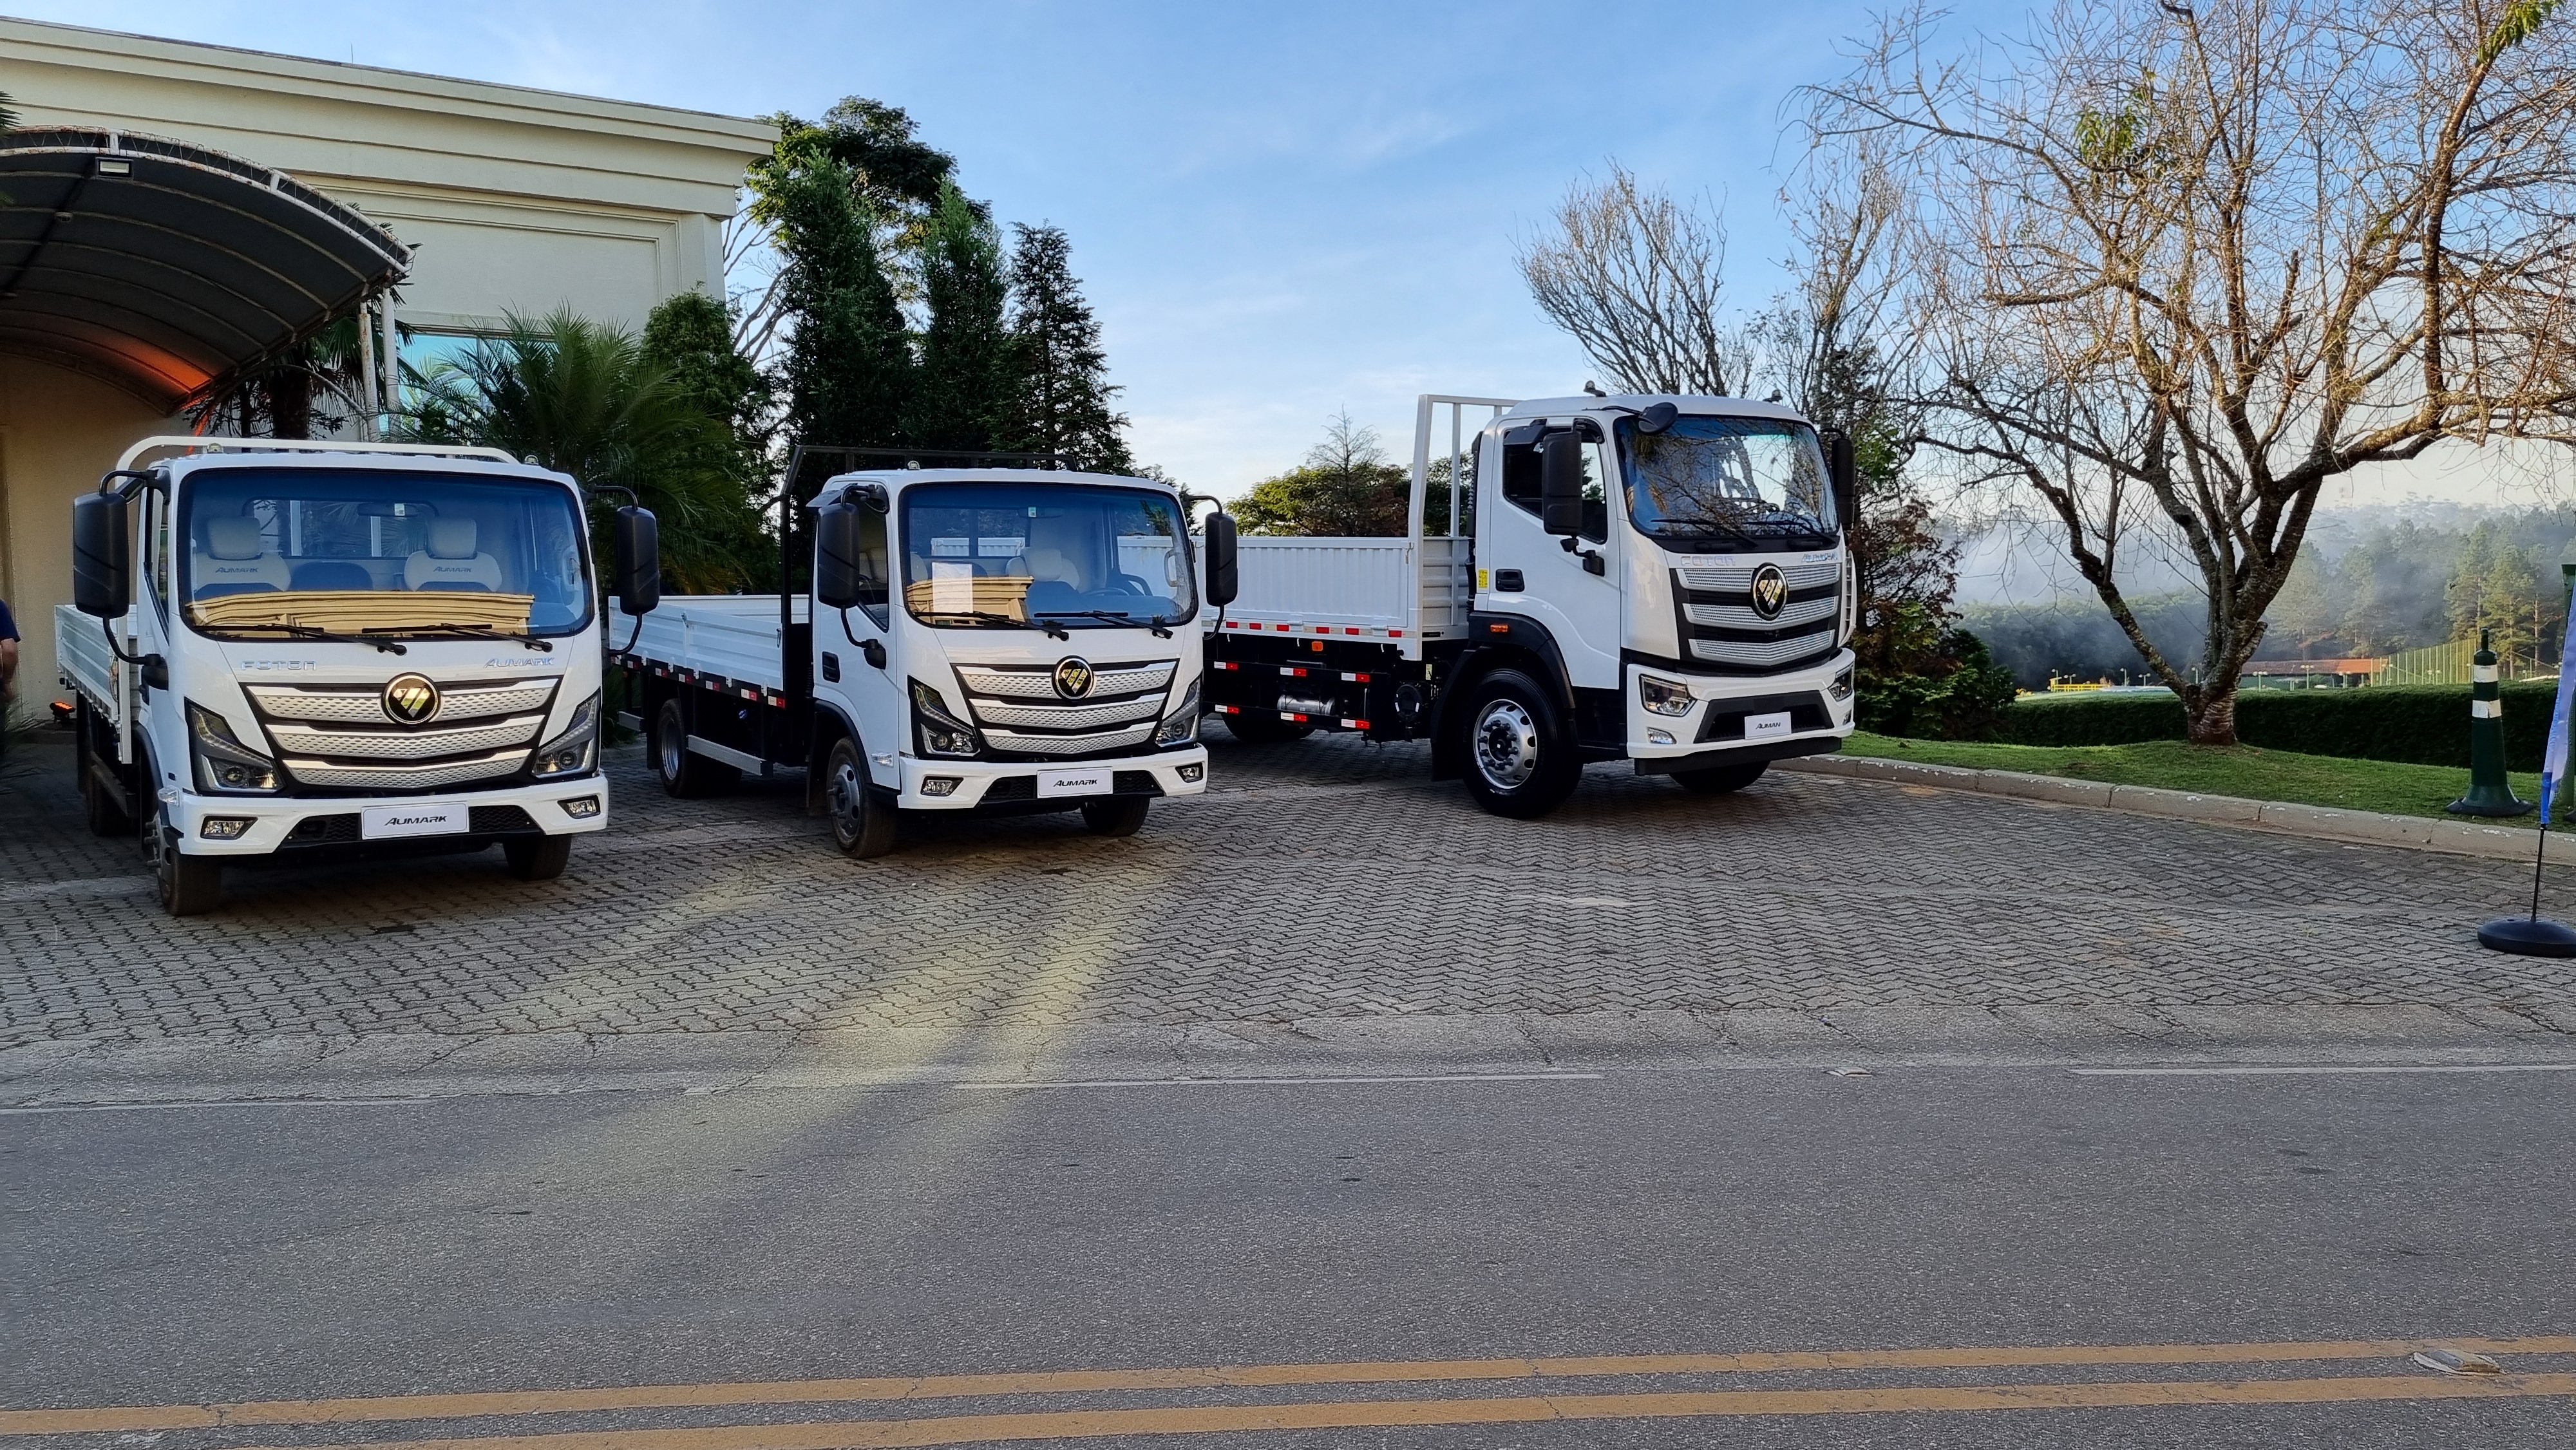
x,y
171,212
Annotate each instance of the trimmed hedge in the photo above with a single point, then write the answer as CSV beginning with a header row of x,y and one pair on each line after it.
x,y
2417,724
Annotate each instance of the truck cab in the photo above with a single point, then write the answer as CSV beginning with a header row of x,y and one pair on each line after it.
x,y
317,651
1664,580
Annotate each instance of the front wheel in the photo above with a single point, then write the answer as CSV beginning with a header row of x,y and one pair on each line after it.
x,y
1520,755
1720,779
541,859
684,772
862,822
190,885
1117,816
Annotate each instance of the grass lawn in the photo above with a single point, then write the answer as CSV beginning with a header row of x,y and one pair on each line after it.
x,y
2267,775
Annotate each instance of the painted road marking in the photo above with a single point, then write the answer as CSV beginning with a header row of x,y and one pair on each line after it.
x,y
1377,1414
229,1103
2318,1070
1122,1082
928,1387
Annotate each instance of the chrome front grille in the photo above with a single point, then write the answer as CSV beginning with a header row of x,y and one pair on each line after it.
x,y
1719,627
1020,711
1741,616
1734,580
338,737
1761,654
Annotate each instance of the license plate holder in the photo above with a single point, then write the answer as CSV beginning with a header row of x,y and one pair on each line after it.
x,y
1767,727
393,823
1055,783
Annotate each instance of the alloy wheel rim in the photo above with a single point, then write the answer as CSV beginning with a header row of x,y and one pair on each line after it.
x,y
1506,745
671,749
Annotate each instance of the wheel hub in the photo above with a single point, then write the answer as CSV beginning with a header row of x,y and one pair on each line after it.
x,y
846,802
1506,741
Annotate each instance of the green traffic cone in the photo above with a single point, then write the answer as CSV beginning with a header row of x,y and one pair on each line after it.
x,y
2490,794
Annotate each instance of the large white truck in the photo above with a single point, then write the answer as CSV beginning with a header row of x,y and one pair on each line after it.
x,y
999,640
1664,580
314,651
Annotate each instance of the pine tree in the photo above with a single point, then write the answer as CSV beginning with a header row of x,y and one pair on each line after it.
x,y
963,388
1061,395
849,369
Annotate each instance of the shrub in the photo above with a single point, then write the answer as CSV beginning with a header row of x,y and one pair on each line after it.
x,y
1962,695
2418,724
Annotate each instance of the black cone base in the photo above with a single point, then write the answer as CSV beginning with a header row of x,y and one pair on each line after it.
x,y
2490,803
2526,937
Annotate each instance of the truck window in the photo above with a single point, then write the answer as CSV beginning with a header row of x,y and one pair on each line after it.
x,y
876,573
995,555
1521,481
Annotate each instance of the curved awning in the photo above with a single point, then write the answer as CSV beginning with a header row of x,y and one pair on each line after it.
x,y
165,267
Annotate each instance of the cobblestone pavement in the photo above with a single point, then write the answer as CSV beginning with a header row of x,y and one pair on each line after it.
x,y
1321,879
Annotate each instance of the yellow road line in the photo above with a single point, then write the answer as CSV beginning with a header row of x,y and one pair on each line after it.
x,y
1377,1414
779,1392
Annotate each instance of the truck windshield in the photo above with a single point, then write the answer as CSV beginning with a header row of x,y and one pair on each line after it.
x,y
1714,485
383,553
1000,555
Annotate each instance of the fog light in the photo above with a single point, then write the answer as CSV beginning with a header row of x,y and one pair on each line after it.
x,y
223,828
1659,737
581,807
939,785
1841,688
1191,773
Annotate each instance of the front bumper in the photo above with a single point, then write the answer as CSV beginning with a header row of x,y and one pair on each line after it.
x,y
297,824
1714,731
1000,784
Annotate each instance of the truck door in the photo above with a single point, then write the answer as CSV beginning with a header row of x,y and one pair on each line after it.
x,y
854,662
1522,569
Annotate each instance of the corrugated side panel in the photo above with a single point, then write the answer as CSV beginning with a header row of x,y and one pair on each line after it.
x,y
735,636
1448,587
80,650
1323,581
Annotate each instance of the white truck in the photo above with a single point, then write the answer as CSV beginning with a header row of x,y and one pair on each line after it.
x,y
313,651
1000,640
1664,580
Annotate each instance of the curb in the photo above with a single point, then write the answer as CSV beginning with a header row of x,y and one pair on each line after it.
x,y
2322,823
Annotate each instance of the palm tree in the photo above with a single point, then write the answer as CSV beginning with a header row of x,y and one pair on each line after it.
x,y
581,397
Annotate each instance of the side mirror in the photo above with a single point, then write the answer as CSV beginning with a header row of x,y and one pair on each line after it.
x,y
102,541
838,560
1842,469
1223,580
639,560
1656,417
1560,486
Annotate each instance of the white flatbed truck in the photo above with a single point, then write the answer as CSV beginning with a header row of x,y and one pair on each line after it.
x,y
996,640
317,651
1664,580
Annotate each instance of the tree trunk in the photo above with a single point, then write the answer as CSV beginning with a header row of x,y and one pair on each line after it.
x,y
290,402
2213,722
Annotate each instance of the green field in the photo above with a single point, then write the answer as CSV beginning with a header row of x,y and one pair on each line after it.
x,y
2267,775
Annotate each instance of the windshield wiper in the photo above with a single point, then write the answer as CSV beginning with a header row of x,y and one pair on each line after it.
x,y
1155,624
462,631
306,631
1053,631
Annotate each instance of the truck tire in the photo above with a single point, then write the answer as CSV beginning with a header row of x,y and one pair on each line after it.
x,y
1720,779
190,885
1115,816
106,817
1520,755
684,772
862,822
537,858
1264,729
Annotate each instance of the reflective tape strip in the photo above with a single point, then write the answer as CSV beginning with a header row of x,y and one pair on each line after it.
x,y
2486,709
2482,674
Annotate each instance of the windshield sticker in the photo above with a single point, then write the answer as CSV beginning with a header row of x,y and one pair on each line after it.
x,y
950,548
952,588
1001,548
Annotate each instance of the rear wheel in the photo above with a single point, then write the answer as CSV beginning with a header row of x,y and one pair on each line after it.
x,y
1264,729
1720,779
106,817
684,772
540,858
862,821
1520,755
1116,816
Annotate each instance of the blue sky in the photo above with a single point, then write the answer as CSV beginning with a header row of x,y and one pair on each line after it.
x,y
1279,211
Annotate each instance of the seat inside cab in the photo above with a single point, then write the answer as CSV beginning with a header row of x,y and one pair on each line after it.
x,y
451,561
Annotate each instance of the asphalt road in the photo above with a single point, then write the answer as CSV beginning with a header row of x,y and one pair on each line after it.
x,y
181,1255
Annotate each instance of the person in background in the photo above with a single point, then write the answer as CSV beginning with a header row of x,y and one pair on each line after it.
x,y
8,669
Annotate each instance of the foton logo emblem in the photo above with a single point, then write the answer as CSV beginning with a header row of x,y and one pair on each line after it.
x,y
1770,591
411,700
1073,678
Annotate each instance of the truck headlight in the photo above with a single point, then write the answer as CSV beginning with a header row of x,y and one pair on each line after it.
x,y
571,752
1841,688
225,765
1182,725
1664,697
937,732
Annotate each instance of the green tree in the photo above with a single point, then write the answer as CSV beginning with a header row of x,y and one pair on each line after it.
x,y
894,175
1346,488
580,397
2464,599
1060,388
848,372
690,336
2310,608
962,392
